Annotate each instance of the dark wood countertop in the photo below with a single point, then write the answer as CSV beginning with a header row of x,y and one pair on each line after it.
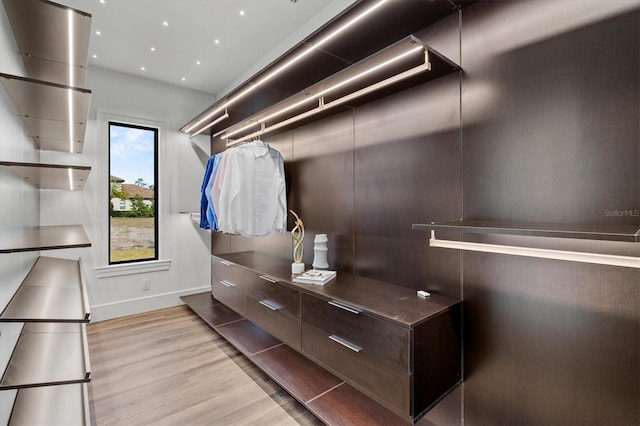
x,y
391,302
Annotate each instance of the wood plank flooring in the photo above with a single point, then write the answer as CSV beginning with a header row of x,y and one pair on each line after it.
x,y
169,368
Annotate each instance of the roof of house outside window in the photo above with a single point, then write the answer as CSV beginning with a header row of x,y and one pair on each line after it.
x,y
133,190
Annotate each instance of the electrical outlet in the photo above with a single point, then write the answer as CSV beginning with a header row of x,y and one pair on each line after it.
x,y
146,284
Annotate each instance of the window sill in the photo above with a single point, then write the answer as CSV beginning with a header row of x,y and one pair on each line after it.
x,y
132,268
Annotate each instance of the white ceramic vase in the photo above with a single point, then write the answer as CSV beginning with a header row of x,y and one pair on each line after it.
x,y
320,252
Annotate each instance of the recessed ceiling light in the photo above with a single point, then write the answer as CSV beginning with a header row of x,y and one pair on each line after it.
x,y
197,62
153,49
98,32
242,13
184,79
95,56
142,68
103,1
165,23
216,41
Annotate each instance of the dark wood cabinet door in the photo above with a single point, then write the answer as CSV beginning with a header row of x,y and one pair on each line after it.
x,y
229,294
379,339
224,271
389,386
263,287
270,316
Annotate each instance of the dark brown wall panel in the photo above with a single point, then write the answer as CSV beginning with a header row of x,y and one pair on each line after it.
x,y
554,137
551,134
550,342
407,170
322,172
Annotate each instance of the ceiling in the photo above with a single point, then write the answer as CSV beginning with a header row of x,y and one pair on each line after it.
x,y
206,45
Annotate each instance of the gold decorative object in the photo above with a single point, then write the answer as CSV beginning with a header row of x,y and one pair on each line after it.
x,y
297,233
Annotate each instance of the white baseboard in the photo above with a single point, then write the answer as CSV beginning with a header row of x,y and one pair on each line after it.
x,y
143,304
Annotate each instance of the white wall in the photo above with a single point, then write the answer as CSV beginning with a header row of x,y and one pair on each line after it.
x,y
19,202
184,249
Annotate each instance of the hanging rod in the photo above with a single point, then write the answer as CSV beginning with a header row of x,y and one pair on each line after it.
x,y
407,58
572,256
322,106
213,123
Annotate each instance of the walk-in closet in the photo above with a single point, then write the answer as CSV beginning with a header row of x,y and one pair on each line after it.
x,y
308,212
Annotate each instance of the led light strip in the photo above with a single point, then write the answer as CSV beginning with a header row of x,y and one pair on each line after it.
x,y
70,176
325,106
213,123
71,77
573,256
345,82
240,130
286,65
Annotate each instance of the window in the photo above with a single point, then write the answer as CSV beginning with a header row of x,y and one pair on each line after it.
x,y
133,171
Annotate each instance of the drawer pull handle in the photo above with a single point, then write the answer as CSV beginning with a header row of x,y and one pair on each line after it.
x,y
226,263
346,308
268,279
227,283
345,343
269,305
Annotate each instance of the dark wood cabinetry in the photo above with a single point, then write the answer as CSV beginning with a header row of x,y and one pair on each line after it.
x,y
228,283
398,349
275,308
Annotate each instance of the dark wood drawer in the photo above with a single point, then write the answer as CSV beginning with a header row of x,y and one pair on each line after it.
x,y
263,287
389,386
274,319
221,270
377,338
228,293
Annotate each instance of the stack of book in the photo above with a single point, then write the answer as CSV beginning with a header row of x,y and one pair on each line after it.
x,y
314,276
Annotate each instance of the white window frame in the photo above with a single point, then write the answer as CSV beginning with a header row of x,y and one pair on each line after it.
x,y
104,270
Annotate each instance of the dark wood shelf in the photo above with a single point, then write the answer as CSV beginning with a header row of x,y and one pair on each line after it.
x,y
371,78
629,233
53,291
49,176
50,238
48,354
392,22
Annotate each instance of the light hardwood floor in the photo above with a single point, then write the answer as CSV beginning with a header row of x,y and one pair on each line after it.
x,y
169,368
